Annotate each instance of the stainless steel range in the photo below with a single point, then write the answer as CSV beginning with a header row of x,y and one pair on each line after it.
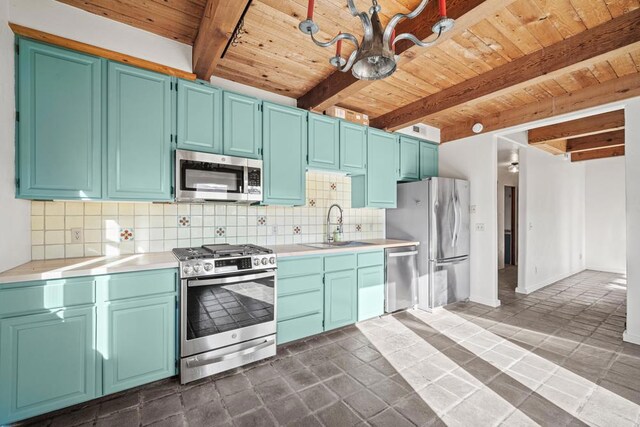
x,y
228,309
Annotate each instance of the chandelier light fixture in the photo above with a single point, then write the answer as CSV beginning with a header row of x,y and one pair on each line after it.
x,y
374,57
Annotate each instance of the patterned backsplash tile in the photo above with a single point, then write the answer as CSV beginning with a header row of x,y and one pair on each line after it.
x,y
110,228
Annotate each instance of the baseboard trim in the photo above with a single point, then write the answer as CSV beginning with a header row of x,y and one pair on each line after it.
x,y
485,301
607,270
529,289
633,339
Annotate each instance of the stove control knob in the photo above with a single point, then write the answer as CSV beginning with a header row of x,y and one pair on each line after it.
x,y
208,266
264,261
256,262
196,268
272,260
186,269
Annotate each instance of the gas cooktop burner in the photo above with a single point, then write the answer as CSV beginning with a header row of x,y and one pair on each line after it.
x,y
219,251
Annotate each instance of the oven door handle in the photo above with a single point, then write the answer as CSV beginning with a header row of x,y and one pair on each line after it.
x,y
228,280
202,360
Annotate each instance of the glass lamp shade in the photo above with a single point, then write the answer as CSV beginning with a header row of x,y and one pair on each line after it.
x,y
374,60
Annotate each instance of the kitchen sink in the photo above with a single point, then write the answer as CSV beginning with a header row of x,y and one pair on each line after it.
x,y
332,245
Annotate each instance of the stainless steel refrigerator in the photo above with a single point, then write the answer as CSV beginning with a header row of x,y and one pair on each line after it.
x,y
435,212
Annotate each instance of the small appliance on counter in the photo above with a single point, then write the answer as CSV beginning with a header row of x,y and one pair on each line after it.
x,y
227,308
435,212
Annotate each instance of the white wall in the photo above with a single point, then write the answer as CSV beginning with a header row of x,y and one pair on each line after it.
x,y
632,160
552,219
605,206
15,242
475,159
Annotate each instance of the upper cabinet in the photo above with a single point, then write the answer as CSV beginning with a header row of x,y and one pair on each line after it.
x,y
242,126
199,117
353,148
428,159
139,134
324,142
377,189
60,129
285,152
409,159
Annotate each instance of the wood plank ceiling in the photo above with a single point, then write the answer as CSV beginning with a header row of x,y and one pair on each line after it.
x,y
272,54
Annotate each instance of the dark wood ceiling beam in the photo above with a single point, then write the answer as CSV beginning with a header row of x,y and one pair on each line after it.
x,y
586,126
219,20
610,91
603,153
339,86
595,142
598,43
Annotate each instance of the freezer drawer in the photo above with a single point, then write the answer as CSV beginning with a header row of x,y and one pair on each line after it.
x,y
448,281
401,278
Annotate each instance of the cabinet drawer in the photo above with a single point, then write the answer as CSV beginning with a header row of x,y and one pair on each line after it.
x,y
299,284
370,258
298,305
299,266
131,285
47,295
339,262
300,327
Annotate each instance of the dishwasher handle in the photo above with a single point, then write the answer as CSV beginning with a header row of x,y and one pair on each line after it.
x,y
400,254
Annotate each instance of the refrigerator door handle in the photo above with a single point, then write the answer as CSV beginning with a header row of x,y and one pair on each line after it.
x,y
451,261
456,220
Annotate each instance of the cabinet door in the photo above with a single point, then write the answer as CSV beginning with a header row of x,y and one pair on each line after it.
x,y
340,299
60,101
47,362
409,159
381,169
370,292
285,152
324,142
242,126
139,124
353,148
428,160
199,117
137,340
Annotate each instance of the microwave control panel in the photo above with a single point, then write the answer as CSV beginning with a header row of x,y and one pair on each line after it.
x,y
255,181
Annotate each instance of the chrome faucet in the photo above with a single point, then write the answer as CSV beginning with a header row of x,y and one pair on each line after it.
x,y
339,224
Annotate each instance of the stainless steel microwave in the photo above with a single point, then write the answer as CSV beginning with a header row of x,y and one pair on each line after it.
x,y
202,177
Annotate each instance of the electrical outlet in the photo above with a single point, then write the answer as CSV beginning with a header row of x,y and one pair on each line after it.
x,y
76,235
274,230
480,226
472,209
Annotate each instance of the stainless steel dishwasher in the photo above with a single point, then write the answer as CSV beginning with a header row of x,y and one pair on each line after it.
x,y
401,281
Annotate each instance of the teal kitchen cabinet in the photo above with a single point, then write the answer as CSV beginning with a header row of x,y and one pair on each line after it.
x,y
340,291
370,285
300,298
199,125
242,126
137,328
409,169
324,142
47,362
60,102
285,152
353,148
428,159
377,189
139,134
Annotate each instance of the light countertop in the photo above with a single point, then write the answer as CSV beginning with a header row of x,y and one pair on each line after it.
x,y
302,248
93,266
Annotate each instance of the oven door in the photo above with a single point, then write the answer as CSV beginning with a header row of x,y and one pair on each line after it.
x,y
202,176
218,312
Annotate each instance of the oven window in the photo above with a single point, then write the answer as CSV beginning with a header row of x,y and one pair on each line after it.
x,y
200,176
219,308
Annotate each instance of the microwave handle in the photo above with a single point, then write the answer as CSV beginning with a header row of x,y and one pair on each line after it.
x,y
228,280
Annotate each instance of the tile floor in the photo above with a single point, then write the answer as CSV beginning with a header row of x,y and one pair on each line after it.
x,y
552,358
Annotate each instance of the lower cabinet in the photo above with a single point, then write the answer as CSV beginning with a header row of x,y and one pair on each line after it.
x,y
370,292
47,362
139,342
66,341
340,299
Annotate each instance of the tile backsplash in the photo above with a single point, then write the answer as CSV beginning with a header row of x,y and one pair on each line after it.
x,y
78,229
